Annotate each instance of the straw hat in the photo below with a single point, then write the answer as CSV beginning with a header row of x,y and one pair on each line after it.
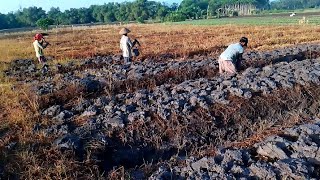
x,y
124,31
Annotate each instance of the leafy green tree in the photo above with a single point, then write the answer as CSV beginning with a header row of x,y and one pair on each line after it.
x,y
108,12
29,16
214,6
84,15
294,4
3,21
124,12
71,16
44,23
55,14
263,4
162,12
12,21
174,7
97,13
188,7
194,9
139,10
176,17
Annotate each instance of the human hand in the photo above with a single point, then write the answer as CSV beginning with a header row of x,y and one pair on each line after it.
x,y
137,42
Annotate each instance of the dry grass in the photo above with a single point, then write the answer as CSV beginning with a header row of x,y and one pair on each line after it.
x,y
18,108
28,154
156,40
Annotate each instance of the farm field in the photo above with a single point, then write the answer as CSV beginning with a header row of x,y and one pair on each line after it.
x,y
169,114
174,40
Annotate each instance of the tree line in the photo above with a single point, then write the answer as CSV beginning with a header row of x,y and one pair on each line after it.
x,y
142,10
294,4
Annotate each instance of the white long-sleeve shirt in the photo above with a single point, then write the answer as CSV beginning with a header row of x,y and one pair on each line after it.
x,y
125,46
38,48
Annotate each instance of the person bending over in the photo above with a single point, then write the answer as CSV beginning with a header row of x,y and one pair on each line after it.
x,y
230,59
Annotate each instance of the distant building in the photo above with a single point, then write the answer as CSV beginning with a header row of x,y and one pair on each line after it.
x,y
238,9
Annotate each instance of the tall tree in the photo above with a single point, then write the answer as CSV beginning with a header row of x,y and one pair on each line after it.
x,y
294,4
12,21
71,16
55,14
29,16
140,10
84,15
3,21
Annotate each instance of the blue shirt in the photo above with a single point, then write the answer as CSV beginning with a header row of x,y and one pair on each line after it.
x,y
232,52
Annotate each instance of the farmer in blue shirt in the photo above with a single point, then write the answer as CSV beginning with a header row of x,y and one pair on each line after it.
x,y
230,59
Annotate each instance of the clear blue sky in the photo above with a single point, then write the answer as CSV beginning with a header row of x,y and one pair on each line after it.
x,y
13,5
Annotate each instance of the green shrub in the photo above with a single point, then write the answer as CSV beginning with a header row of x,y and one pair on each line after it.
x,y
235,13
140,20
44,23
176,17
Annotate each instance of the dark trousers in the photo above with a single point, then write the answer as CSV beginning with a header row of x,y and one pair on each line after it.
x,y
127,60
42,59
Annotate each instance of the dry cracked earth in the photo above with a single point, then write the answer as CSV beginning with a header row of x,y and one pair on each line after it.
x,y
183,120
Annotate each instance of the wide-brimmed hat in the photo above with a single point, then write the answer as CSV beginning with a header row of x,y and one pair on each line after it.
x,y
124,31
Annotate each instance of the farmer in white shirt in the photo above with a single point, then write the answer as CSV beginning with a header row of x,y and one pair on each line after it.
x,y
230,59
126,45
39,45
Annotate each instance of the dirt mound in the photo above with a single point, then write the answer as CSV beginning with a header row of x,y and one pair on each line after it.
x,y
293,154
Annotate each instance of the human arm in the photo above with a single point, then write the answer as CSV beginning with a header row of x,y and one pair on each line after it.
x,y
136,42
38,44
46,43
130,44
239,58
42,44
238,62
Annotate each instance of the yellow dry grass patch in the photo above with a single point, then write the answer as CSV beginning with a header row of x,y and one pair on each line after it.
x,y
17,110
